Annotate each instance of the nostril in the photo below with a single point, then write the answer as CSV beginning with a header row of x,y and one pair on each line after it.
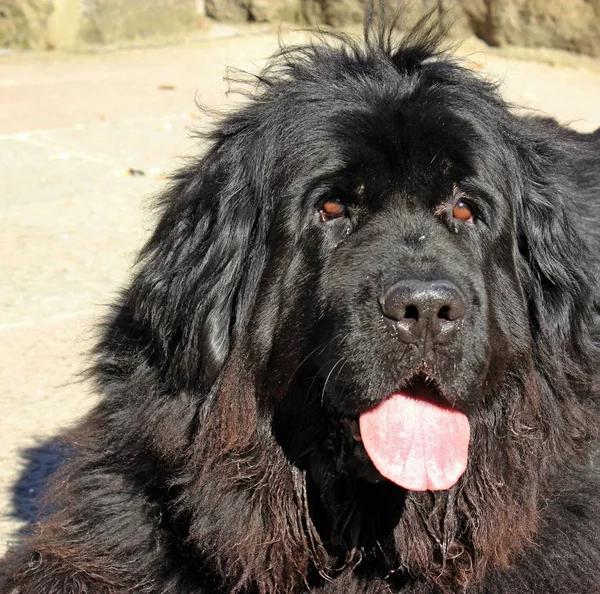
x,y
444,313
411,312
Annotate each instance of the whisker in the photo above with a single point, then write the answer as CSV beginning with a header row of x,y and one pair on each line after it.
x,y
321,347
340,360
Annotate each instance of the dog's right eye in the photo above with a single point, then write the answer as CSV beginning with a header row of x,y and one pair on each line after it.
x,y
333,209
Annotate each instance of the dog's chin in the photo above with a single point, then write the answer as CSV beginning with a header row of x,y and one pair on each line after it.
x,y
414,437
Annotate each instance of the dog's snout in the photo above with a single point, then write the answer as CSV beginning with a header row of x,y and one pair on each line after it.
x,y
420,307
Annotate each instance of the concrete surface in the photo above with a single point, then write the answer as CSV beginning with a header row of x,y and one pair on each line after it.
x,y
72,221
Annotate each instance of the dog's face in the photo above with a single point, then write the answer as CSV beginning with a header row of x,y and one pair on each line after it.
x,y
390,195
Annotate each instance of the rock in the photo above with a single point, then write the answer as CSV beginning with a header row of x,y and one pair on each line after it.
x,y
228,10
276,10
122,20
339,13
23,23
563,24
255,10
64,24
68,23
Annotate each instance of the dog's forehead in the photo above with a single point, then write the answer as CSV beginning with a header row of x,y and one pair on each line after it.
x,y
371,134
393,151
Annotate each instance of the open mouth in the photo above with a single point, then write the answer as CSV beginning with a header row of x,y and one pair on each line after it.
x,y
416,439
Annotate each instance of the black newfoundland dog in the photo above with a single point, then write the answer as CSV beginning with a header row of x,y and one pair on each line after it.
x,y
359,354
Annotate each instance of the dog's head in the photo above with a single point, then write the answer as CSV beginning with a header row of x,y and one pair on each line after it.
x,y
369,287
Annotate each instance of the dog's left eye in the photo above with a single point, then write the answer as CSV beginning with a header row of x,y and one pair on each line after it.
x,y
463,211
333,209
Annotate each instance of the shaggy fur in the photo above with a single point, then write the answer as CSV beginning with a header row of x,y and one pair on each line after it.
x,y
220,458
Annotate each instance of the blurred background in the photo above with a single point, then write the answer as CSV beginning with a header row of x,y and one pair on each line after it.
x,y
564,24
97,104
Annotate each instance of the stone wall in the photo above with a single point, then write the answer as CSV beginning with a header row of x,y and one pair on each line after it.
x,y
565,24
42,24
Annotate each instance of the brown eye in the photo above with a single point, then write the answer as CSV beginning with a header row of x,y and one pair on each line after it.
x,y
333,209
463,212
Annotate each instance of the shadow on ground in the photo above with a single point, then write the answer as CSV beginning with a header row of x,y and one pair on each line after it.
x,y
41,462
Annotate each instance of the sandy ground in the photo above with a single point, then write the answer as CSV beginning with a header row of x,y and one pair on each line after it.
x,y
72,221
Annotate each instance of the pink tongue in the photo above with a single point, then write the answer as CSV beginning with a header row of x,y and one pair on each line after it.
x,y
416,443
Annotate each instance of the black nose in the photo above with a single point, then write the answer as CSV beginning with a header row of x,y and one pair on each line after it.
x,y
424,308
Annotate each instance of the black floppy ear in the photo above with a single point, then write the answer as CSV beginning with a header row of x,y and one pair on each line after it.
x,y
200,270
559,271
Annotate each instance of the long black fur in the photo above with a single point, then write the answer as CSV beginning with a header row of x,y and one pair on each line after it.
x,y
218,459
